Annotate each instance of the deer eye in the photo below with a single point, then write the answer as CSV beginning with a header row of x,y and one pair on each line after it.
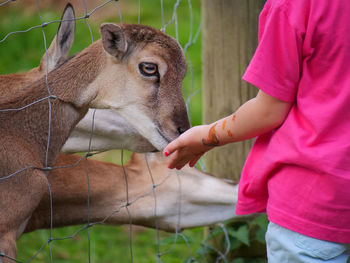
x,y
148,69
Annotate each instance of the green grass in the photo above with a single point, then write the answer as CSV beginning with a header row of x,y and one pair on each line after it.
x,y
21,52
108,244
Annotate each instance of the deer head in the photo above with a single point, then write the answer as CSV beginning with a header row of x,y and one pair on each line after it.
x,y
142,81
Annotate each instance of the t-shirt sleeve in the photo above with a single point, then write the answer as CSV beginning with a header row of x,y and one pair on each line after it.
x,y
276,65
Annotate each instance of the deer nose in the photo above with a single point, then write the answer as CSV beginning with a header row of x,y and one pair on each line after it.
x,y
181,130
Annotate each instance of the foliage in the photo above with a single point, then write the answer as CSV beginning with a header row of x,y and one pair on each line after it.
x,y
243,241
112,244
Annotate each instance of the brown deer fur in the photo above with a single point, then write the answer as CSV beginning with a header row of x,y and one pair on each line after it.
x,y
201,194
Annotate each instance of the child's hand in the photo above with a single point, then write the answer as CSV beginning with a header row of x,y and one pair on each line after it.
x,y
257,116
188,148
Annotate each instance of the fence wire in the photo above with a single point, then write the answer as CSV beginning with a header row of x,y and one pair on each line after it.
x,y
192,40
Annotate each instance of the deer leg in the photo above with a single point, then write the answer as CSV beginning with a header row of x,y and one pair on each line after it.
x,y
19,196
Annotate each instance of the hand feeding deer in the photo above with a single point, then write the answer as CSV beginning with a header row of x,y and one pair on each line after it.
x,y
134,69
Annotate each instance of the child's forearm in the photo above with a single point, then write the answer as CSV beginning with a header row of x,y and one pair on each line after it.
x,y
257,116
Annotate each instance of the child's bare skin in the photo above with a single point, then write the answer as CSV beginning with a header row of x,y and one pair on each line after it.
x,y
257,116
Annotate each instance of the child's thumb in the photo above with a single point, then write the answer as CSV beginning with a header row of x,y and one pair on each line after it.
x,y
171,147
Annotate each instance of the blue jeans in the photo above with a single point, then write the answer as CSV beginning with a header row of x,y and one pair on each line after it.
x,y
286,246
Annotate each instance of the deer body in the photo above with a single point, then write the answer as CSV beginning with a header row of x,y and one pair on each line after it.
x,y
95,77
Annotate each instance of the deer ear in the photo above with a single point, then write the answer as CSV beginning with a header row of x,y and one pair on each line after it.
x,y
66,30
63,41
113,39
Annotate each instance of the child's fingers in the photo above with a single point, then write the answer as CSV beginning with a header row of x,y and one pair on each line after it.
x,y
195,160
179,159
181,163
191,160
174,159
172,146
180,166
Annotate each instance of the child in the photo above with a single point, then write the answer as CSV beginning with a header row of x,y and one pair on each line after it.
x,y
298,170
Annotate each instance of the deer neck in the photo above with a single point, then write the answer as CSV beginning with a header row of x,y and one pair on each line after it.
x,y
68,83
13,82
77,73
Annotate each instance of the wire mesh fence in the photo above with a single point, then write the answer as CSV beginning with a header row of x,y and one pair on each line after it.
x,y
167,17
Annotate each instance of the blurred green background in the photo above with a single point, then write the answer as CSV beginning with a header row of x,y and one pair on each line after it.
x,y
21,52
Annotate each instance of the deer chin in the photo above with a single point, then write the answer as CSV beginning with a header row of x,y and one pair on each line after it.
x,y
107,130
160,141
153,134
146,127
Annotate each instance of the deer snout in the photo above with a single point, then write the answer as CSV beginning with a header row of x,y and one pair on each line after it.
x,y
170,130
180,120
180,130
176,127
173,120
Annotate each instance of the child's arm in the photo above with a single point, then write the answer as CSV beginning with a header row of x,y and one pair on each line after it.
x,y
257,116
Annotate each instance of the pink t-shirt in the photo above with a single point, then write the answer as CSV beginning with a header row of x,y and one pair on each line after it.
x,y
300,173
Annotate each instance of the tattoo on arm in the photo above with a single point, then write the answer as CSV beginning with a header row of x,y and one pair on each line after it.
x,y
223,125
212,138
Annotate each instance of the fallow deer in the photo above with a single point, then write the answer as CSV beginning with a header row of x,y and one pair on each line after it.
x,y
111,130
134,70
